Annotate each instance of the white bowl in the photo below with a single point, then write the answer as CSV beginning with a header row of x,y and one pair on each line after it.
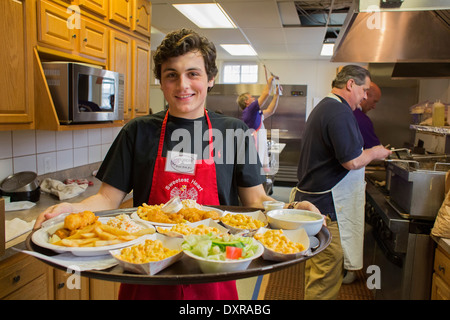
x,y
290,219
214,266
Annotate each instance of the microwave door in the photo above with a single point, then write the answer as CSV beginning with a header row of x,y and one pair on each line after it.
x,y
95,96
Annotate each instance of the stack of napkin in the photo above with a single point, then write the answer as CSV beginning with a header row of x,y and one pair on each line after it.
x,y
16,227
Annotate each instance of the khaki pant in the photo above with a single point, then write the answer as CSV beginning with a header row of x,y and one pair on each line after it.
x,y
324,272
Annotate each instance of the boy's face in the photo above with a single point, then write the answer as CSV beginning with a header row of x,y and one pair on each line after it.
x,y
185,84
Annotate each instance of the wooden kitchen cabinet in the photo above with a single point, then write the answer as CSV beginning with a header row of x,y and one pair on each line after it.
x,y
66,288
23,277
16,65
89,289
131,57
132,14
141,78
89,38
120,51
120,11
38,31
52,26
99,7
103,290
440,288
142,11
26,278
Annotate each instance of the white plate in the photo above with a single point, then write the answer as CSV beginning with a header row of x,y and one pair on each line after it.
x,y
41,236
135,216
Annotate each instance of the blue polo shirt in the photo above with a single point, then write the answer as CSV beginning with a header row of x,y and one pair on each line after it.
x,y
251,115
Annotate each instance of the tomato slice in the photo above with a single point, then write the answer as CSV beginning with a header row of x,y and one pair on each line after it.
x,y
233,252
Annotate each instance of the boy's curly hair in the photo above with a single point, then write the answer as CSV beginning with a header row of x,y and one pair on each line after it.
x,y
179,42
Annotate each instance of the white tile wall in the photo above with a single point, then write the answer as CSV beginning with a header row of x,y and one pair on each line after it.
x,y
44,151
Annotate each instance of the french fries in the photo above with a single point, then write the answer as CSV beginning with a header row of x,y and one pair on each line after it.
x,y
97,235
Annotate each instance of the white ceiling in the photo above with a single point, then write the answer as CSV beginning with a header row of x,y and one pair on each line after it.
x,y
259,23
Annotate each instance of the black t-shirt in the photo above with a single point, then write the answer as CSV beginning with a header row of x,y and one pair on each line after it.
x,y
129,163
331,137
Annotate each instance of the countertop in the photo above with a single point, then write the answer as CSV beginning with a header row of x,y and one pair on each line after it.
x,y
46,200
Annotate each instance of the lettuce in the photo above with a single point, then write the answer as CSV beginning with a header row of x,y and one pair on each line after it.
x,y
213,247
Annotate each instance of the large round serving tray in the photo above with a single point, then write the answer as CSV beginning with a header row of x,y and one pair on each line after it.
x,y
186,270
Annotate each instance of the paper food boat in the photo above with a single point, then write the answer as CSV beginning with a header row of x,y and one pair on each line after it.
x,y
258,215
151,268
297,235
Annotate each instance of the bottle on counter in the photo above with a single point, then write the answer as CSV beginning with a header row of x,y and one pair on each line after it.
x,y
438,114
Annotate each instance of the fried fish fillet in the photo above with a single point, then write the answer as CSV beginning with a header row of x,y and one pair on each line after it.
x,y
80,220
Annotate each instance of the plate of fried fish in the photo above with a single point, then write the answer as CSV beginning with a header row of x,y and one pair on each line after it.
x,y
189,211
85,234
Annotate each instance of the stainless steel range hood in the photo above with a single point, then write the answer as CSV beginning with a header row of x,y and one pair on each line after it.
x,y
411,33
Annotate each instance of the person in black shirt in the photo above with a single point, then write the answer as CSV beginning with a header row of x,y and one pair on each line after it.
x,y
226,171
331,176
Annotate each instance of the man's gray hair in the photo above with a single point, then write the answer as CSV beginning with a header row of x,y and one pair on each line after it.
x,y
357,73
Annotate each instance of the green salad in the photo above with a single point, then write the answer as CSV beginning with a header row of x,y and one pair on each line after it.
x,y
220,247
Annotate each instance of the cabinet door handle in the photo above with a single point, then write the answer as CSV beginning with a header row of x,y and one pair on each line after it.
x,y
85,39
16,279
74,36
441,268
60,285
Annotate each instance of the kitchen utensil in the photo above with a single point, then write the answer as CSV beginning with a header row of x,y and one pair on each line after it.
x,y
21,186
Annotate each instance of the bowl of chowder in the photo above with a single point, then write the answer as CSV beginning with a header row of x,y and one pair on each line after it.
x,y
290,219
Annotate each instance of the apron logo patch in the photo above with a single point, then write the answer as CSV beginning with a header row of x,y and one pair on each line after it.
x,y
184,188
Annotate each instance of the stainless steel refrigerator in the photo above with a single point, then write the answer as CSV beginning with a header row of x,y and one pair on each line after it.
x,y
289,119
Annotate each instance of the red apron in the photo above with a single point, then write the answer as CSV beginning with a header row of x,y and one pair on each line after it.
x,y
202,187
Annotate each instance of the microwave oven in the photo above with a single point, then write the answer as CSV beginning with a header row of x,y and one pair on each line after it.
x,y
84,93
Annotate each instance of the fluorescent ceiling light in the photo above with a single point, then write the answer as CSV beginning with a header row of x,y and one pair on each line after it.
x,y
327,49
239,49
206,15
